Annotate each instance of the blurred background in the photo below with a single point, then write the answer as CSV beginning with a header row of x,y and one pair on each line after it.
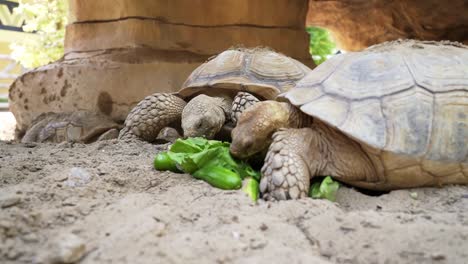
x,y
105,56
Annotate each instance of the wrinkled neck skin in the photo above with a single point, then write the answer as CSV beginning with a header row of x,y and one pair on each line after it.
x,y
297,119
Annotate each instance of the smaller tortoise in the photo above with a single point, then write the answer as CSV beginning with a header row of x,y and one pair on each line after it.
x,y
79,126
205,103
392,116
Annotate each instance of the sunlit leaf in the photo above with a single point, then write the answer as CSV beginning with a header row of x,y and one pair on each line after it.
x,y
47,19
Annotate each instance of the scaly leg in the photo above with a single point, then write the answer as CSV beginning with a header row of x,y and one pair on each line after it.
x,y
241,102
297,155
285,174
152,114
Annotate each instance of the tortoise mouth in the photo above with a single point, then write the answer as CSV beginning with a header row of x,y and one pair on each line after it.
x,y
243,150
238,153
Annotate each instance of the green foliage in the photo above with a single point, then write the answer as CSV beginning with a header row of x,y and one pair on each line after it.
x,y
3,100
321,44
46,18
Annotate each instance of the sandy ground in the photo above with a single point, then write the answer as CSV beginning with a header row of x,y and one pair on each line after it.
x,y
103,203
7,126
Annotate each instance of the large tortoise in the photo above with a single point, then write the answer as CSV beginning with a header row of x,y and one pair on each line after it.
x,y
392,116
242,74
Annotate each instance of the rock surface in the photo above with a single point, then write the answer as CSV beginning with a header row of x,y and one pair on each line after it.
x,y
110,82
119,51
130,213
359,24
264,13
177,37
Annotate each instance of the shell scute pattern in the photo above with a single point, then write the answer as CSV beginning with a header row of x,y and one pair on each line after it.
x,y
365,117
409,118
227,63
439,69
449,139
259,71
405,100
369,75
269,65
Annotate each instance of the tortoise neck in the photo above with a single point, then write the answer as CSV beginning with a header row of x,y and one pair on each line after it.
x,y
297,119
225,103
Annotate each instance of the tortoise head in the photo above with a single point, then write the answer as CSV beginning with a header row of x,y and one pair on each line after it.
x,y
256,126
203,116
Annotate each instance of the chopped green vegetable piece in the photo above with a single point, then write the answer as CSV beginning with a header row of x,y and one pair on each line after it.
x,y
247,171
251,188
163,161
182,146
326,189
414,195
219,177
198,155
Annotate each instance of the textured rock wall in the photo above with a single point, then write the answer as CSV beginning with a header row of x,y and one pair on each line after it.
x,y
119,51
357,24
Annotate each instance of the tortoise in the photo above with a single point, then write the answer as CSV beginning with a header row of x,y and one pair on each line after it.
x,y
247,75
80,126
390,117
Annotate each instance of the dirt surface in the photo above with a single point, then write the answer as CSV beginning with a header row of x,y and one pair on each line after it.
x,y
103,203
7,126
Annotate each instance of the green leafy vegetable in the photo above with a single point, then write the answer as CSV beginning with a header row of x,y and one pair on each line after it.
x,y
209,160
219,177
163,161
251,188
326,189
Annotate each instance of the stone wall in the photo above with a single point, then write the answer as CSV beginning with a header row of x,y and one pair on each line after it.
x,y
119,51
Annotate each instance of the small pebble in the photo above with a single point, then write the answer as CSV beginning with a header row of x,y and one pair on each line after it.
x,y
235,234
6,202
30,145
60,177
78,177
438,256
65,248
69,202
30,238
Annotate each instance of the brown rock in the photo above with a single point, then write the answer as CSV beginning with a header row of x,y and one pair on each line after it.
x,y
266,13
198,40
110,82
119,51
362,23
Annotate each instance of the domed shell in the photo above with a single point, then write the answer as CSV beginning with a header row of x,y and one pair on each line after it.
x,y
262,72
407,98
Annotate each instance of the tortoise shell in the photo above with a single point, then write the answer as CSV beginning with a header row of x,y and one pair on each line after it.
x,y
406,98
79,126
259,71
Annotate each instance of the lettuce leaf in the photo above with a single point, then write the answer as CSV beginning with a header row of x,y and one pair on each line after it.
x,y
324,190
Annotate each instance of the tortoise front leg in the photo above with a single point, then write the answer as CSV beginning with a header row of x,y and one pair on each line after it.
x,y
297,155
285,174
241,102
152,114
